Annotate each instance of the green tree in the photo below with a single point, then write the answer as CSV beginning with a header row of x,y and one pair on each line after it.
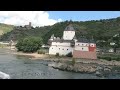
x,y
115,39
29,44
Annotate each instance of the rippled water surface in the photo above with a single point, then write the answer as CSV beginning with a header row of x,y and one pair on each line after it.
x,y
19,67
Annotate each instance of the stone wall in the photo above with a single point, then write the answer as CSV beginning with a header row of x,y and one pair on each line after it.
x,y
84,54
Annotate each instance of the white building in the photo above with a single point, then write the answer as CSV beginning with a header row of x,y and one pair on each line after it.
x,y
70,44
63,45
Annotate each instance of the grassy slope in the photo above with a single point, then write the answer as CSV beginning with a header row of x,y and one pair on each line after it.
x,y
4,28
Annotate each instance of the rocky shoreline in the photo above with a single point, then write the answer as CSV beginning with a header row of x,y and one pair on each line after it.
x,y
99,67
35,56
99,70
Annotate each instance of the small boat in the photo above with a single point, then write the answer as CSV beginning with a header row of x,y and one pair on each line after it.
x,y
4,75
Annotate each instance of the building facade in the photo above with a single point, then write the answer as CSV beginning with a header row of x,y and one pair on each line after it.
x,y
80,48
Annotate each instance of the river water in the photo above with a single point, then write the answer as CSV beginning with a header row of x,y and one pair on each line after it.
x,y
21,67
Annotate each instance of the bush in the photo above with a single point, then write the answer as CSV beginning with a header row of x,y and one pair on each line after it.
x,y
117,59
73,61
69,54
99,57
107,58
41,52
29,44
57,54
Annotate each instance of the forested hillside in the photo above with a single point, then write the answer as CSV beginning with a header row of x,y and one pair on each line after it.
x,y
97,29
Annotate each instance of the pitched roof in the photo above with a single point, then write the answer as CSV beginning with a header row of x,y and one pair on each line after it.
x,y
84,40
69,28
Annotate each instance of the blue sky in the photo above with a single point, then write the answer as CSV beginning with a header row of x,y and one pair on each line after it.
x,y
83,15
44,18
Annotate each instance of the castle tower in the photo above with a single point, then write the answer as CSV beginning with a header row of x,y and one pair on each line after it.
x,y
29,24
69,33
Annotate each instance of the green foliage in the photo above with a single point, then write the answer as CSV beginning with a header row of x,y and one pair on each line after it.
x,y
73,61
99,29
110,57
5,28
57,55
116,40
41,52
69,54
29,44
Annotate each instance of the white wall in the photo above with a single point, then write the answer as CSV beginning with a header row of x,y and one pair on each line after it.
x,y
81,44
59,49
68,35
92,45
81,48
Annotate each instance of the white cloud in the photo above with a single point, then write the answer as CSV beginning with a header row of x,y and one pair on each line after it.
x,y
38,18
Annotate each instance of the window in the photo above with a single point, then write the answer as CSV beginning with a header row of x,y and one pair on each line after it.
x,y
67,49
78,44
82,48
59,48
62,49
52,48
82,44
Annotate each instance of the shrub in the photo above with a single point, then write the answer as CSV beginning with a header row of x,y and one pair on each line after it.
x,y
29,44
99,57
117,59
106,58
57,54
73,61
69,54
41,52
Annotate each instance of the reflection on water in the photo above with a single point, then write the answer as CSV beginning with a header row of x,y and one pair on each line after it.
x,y
20,67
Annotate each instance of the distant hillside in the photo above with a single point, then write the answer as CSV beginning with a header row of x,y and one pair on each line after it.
x,y
22,32
4,28
98,29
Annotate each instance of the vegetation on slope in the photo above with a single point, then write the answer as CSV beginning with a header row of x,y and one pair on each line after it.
x,y
97,29
4,28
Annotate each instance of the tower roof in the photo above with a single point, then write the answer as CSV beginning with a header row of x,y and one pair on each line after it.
x,y
69,28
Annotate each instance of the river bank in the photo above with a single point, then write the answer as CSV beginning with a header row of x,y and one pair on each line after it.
x,y
36,56
81,65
